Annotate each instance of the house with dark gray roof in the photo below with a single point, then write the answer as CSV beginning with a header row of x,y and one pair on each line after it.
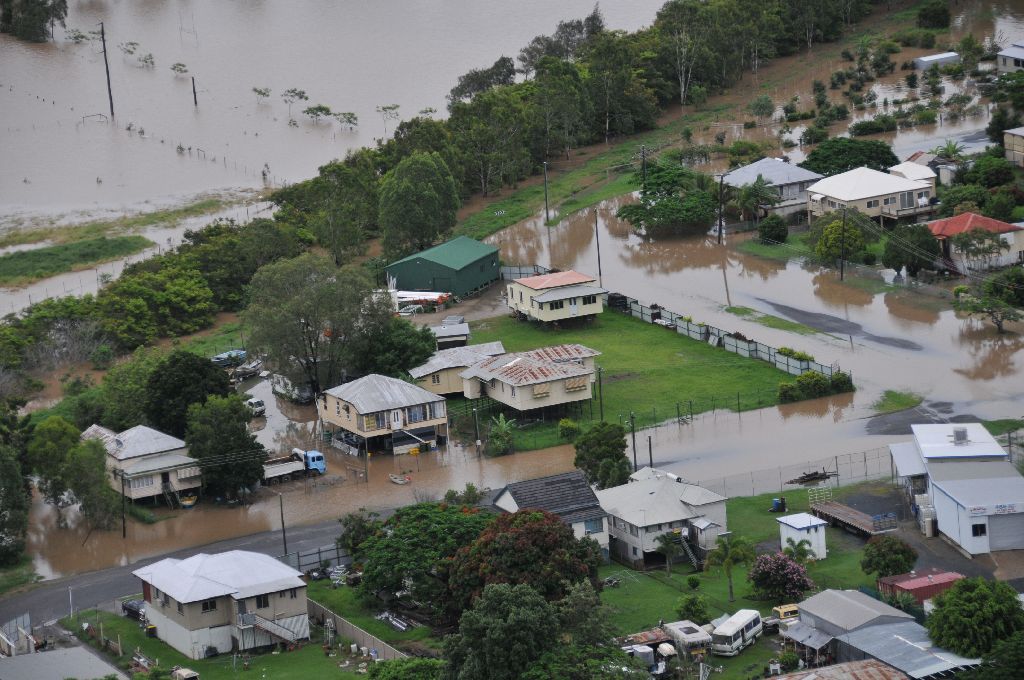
x,y
440,373
906,647
789,180
567,495
838,612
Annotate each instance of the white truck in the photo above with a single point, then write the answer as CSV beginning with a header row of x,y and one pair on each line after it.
x,y
297,464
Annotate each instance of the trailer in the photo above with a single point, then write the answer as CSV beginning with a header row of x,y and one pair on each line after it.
x,y
299,463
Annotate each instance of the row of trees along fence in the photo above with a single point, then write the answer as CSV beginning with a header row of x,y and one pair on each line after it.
x,y
348,630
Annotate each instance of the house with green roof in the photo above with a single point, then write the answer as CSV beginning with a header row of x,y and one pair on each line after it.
x,y
459,266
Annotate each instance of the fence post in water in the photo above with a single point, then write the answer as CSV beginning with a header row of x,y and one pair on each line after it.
x,y
195,99
737,402
691,410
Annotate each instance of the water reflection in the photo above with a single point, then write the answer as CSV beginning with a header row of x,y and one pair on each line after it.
x,y
992,355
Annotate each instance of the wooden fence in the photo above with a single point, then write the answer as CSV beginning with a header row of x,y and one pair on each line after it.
x,y
348,630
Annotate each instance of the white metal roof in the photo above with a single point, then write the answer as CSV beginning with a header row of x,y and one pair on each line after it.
x,y
133,443
861,183
452,331
687,632
929,58
907,459
566,292
775,171
936,441
848,609
912,170
373,393
656,501
1019,131
801,520
457,357
238,573
171,461
1013,51
985,485
58,664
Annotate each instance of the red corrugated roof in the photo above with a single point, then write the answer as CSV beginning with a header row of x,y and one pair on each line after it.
x,y
964,222
916,579
556,280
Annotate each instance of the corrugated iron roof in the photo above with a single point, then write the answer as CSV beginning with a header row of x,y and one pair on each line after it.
x,y
373,393
921,579
869,669
906,647
567,278
848,609
968,221
567,495
238,573
521,369
562,353
460,252
566,292
775,171
457,357
656,501
134,442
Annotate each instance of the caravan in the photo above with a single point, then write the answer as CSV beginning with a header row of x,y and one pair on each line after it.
x,y
738,631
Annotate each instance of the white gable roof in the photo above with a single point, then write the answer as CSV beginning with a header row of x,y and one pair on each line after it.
x,y
861,183
912,170
801,520
775,171
457,357
374,393
135,442
238,573
936,441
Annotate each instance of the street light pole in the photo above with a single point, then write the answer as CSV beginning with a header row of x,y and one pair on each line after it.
x,y
632,428
842,249
721,190
284,533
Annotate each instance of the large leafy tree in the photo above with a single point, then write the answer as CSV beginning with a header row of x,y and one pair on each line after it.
x,y
356,527
751,197
978,247
411,668
392,350
973,615
977,302
913,246
839,241
304,314
1007,285
729,552
673,200
508,628
491,134
14,504
887,556
87,474
181,379
48,449
586,662
475,81
1003,662
840,154
218,431
561,103
530,546
415,544
123,393
601,454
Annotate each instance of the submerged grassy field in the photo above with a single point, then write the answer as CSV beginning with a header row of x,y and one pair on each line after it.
x,y
24,267
893,400
646,370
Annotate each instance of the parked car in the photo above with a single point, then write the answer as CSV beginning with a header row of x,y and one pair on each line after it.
x,y
257,407
134,609
249,369
233,357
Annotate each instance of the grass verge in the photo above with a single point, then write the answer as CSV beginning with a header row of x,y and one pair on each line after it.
x,y
892,400
59,234
309,661
795,246
345,602
998,427
646,370
771,321
24,267
18,575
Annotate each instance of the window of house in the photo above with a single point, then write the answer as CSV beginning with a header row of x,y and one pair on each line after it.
x,y
140,482
979,530
262,601
513,390
347,410
293,593
889,200
337,408
209,606
156,593
633,530
1020,256
381,420
589,299
556,304
435,379
873,204
181,608
634,551
1018,63
166,600
520,296
417,414
593,526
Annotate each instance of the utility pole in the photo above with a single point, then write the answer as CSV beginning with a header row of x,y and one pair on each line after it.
x,y
721,190
643,165
284,535
124,524
597,237
476,429
195,99
106,65
842,249
632,428
600,392
547,215
650,452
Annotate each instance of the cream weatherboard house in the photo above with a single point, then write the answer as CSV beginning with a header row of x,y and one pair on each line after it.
x,y
873,193
556,296
549,376
377,413
440,374
144,463
235,600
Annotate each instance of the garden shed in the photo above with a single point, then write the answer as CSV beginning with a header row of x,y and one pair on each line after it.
x,y
926,62
459,266
804,527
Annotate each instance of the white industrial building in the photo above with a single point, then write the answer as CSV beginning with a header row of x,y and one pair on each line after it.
x,y
804,526
976,492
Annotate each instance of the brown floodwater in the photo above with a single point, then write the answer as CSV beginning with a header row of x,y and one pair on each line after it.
x,y
350,55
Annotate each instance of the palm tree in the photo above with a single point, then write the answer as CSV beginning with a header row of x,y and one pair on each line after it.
x,y
500,439
950,150
668,545
728,552
751,197
799,551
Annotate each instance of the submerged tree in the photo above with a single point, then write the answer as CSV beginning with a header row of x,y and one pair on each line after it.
x,y
261,93
292,95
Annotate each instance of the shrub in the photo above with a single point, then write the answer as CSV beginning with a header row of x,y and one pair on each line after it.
x,y
789,392
772,229
841,382
933,14
888,555
693,581
869,259
911,80
794,354
779,578
789,661
568,429
813,384
693,608
102,357
815,134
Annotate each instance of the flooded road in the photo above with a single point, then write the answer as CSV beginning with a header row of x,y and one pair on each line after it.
x,y
349,55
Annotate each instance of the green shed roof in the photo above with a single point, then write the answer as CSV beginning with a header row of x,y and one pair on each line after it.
x,y
460,252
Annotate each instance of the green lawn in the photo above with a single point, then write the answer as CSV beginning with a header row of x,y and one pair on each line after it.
x,y
17,575
892,400
795,246
345,602
646,369
224,337
998,427
771,321
307,662
32,265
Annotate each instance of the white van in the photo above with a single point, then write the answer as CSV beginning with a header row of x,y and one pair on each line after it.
x,y
738,631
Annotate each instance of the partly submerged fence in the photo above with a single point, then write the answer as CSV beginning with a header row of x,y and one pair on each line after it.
x,y
348,630
328,555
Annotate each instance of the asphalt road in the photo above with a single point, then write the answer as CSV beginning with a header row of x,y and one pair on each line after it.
x,y
49,600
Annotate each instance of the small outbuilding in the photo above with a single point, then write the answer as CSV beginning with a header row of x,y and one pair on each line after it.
x,y
927,61
459,266
838,612
804,527
923,585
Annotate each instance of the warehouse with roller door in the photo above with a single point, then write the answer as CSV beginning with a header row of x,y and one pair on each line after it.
x,y
459,266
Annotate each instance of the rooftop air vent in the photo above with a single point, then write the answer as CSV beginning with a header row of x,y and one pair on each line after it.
x,y
960,436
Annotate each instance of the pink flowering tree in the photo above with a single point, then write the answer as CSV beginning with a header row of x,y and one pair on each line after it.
x,y
779,578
